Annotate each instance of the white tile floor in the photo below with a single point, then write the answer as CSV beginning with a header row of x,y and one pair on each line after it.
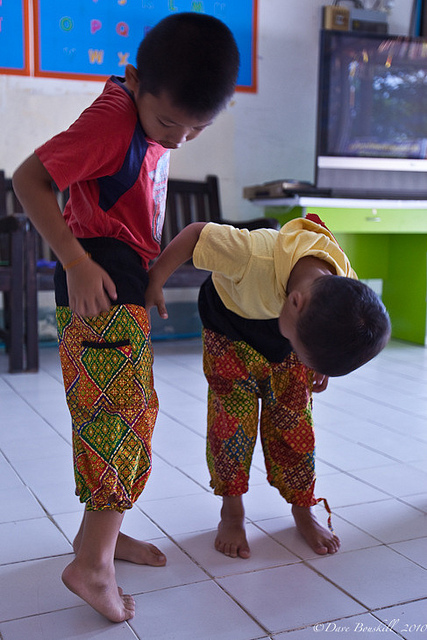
x,y
372,467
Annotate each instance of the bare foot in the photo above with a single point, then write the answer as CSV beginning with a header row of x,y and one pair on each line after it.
x,y
99,589
321,540
132,550
231,537
139,552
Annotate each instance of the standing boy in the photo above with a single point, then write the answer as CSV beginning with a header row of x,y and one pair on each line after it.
x,y
115,159
282,311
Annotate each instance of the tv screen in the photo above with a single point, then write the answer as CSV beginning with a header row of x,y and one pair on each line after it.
x,y
372,117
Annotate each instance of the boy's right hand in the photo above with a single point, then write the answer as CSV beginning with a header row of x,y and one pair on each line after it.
x,y
90,288
320,382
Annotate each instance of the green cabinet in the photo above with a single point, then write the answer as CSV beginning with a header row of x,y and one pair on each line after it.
x,y
386,241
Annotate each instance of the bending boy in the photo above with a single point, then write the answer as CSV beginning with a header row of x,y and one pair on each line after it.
x,y
281,312
115,161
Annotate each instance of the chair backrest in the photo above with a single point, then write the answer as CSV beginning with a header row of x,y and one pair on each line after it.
x,y
43,251
190,201
3,210
5,228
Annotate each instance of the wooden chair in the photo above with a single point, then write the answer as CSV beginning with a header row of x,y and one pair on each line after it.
x,y
39,271
13,236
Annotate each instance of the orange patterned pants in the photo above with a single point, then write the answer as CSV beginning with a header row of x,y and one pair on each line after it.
x,y
241,381
107,369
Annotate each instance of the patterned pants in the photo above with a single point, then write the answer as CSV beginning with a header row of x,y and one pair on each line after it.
x,y
239,377
107,369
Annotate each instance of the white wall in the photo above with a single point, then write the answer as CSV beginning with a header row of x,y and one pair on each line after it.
x,y
264,136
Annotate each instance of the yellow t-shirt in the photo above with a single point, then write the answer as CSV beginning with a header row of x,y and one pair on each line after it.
x,y
250,269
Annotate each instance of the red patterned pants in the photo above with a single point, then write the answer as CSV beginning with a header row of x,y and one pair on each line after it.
x,y
242,381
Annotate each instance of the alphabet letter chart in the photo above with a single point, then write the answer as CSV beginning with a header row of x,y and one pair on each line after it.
x,y
13,37
92,39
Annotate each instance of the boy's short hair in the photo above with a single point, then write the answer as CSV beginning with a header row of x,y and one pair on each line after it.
x,y
194,58
344,326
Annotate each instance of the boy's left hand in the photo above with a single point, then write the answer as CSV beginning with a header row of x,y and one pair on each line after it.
x,y
320,382
154,298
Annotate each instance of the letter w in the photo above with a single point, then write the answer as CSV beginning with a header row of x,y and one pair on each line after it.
x,y
96,56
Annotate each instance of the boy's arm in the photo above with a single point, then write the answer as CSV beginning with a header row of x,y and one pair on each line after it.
x,y
90,288
178,251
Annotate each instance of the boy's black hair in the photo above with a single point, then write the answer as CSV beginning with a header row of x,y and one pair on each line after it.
x,y
194,58
344,326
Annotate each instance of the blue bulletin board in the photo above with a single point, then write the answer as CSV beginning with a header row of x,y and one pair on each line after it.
x,y
92,39
14,54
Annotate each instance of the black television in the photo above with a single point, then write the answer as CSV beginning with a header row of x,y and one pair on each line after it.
x,y
372,115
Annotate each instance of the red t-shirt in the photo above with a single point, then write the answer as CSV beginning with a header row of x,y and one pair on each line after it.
x,y
116,175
